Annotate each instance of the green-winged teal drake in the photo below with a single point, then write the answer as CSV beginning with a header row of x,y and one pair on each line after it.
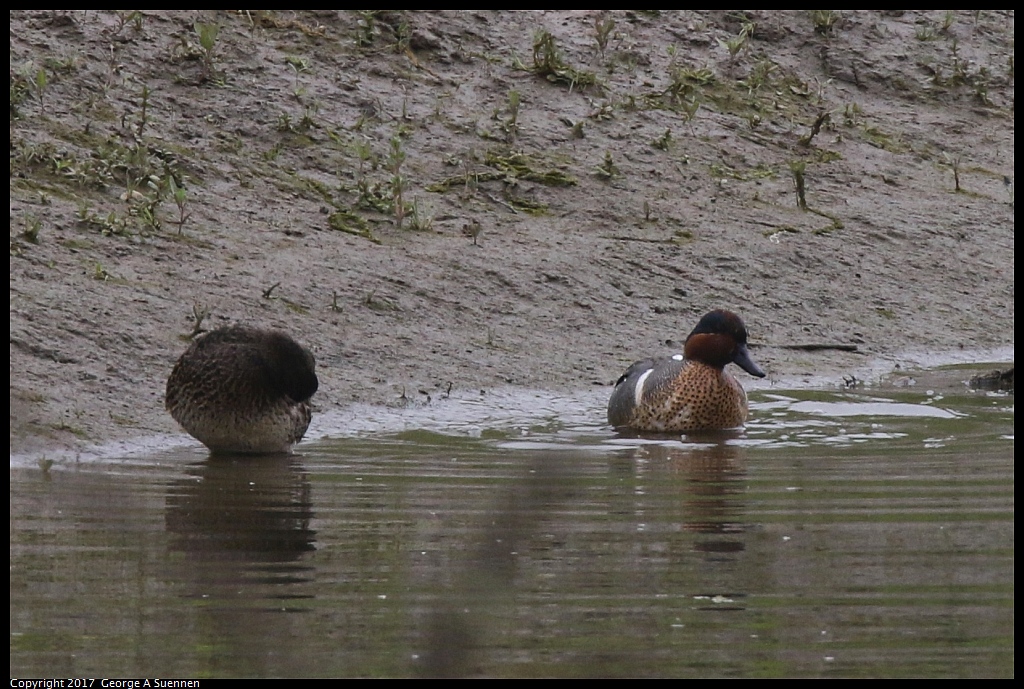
x,y
691,391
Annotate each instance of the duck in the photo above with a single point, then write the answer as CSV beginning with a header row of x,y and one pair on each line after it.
x,y
690,391
241,389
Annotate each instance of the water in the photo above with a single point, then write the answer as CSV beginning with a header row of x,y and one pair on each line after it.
x,y
864,532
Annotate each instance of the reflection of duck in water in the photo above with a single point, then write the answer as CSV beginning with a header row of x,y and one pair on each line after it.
x,y
242,389
256,511
688,392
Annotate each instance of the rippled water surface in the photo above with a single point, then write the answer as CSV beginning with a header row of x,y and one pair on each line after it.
x,y
844,533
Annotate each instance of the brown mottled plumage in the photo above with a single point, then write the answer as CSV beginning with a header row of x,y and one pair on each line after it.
x,y
691,392
243,390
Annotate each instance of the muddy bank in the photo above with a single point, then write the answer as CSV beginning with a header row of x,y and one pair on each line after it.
x,y
491,199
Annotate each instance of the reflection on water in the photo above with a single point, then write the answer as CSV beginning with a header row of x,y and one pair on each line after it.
x,y
256,510
842,534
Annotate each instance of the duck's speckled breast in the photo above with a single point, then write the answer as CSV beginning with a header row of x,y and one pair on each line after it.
x,y
673,395
270,428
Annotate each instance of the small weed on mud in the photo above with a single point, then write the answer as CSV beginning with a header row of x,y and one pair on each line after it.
x,y
824,21
549,63
953,161
798,168
208,44
603,27
420,220
180,200
31,232
663,142
737,43
607,169
199,314
396,157
822,119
